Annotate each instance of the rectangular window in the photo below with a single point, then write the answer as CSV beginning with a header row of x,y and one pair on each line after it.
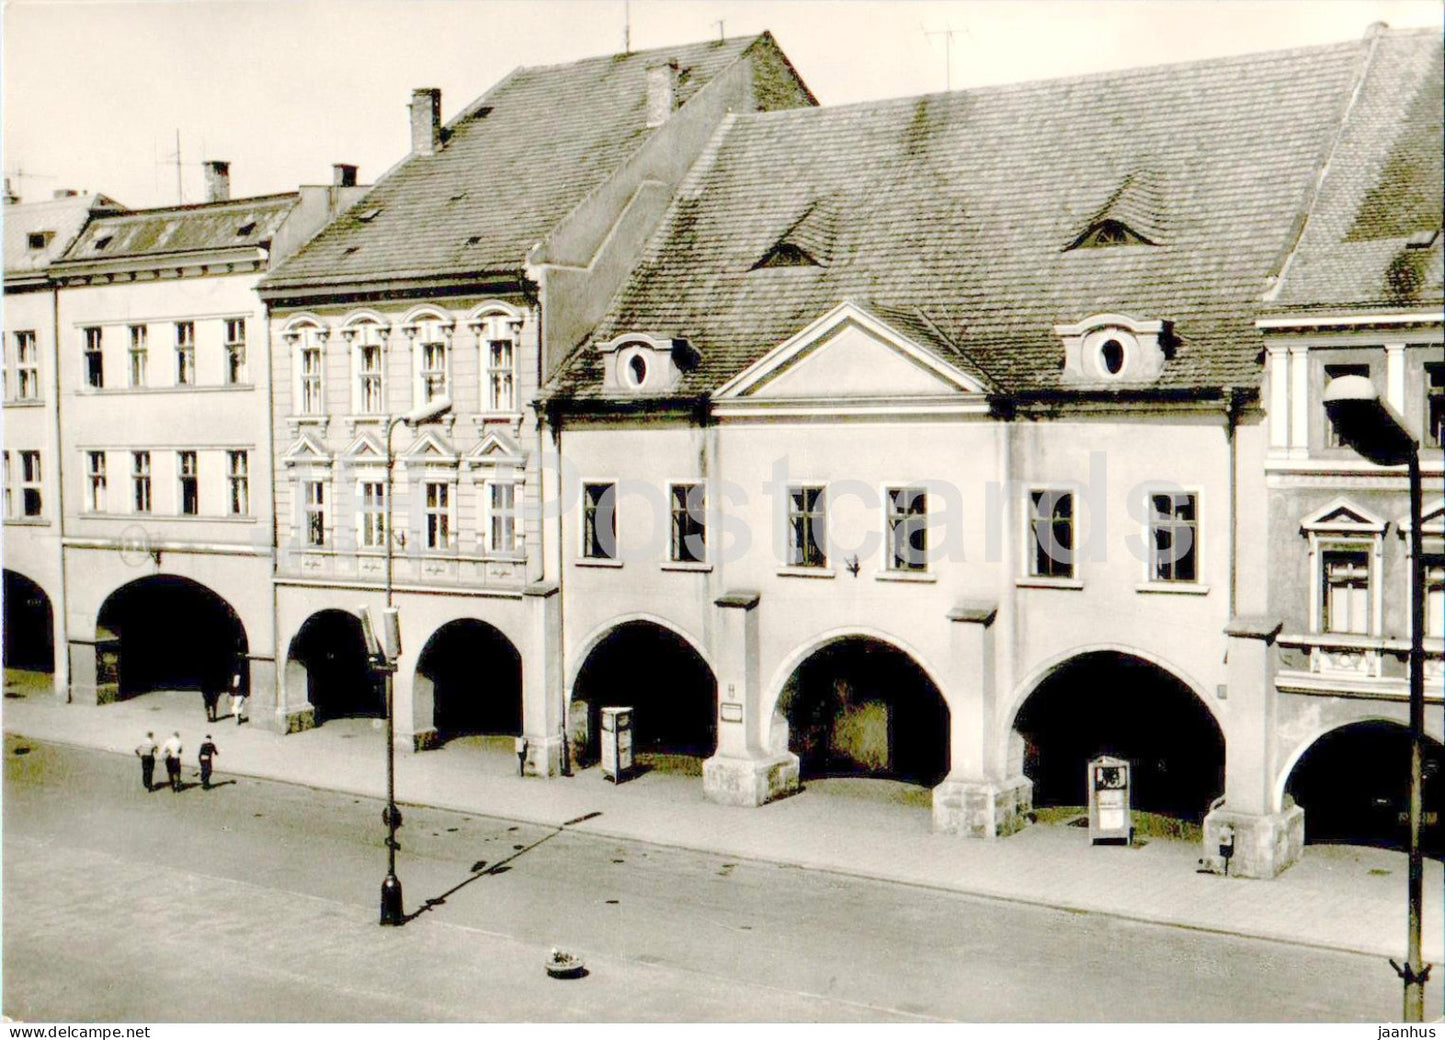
x,y
238,480
30,483
139,355
95,481
807,528
371,517
1174,536
689,523
369,360
140,480
1332,437
501,379
311,403
599,521
1347,591
907,529
1051,521
190,488
235,350
185,353
438,515
27,367
94,366
314,500
433,370
1435,405
502,513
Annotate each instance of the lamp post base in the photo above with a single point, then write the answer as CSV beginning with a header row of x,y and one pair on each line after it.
x,y
391,905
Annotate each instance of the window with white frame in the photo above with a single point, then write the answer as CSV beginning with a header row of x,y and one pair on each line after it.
x,y
189,480
807,527
431,359
367,359
310,358
140,481
95,481
503,530
907,516
94,359
238,483
437,510
235,347
27,367
499,339
313,499
1346,551
30,504
1051,526
1346,592
371,514
689,523
599,521
1435,405
139,355
185,353
1173,536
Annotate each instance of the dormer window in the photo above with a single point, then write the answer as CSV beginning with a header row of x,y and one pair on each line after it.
x,y
1109,348
39,239
787,254
639,363
246,229
808,240
637,370
102,242
1110,233
1133,214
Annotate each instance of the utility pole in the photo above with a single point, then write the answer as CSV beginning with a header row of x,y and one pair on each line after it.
x,y
720,34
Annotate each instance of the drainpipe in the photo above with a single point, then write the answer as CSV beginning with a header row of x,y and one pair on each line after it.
x,y
61,657
1231,429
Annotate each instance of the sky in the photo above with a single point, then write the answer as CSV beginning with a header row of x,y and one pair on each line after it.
x,y
95,91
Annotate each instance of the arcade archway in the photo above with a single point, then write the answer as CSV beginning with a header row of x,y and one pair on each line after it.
x,y
658,673
859,706
472,676
1354,786
29,625
328,659
166,632
1109,702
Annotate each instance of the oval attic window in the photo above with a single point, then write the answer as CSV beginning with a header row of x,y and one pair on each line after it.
x,y
1111,356
637,369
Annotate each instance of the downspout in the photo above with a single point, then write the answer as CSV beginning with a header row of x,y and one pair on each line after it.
x,y
59,626
278,666
1231,429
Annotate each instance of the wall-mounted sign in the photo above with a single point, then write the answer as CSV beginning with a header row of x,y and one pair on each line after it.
x,y
732,712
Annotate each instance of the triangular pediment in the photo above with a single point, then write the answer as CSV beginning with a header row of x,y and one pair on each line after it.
x,y
1342,515
430,447
306,451
1432,518
366,448
496,449
849,353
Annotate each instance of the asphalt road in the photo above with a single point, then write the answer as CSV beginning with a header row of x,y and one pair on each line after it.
x,y
257,901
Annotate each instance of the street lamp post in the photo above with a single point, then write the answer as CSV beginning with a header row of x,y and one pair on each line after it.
x,y
1377,431
392,912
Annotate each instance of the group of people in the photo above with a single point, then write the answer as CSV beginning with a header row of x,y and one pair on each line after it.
x,y
170,751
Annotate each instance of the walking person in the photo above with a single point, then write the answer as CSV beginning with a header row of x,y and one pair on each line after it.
x,y
238,698
207,752
212,697
146,752
171,749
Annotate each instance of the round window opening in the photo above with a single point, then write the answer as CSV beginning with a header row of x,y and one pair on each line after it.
x,y
637,369
1111,356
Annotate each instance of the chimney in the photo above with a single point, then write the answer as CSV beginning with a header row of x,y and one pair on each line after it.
x,y
218,181
426,120
64,193
343,175
10,196
661,92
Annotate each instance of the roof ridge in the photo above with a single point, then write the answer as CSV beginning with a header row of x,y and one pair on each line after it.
x,y
190,207
752,38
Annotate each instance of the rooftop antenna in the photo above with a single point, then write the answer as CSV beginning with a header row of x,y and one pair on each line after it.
x,y
626,26
721,36
176,158
947,32
19,174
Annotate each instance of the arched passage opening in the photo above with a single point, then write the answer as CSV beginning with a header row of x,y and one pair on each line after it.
x,y
658,673
29,631
472,676
862,707
328,658
1117,704
1354,786
166,632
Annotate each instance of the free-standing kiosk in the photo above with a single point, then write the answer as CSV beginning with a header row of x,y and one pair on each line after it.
x,y
1111,818
616,743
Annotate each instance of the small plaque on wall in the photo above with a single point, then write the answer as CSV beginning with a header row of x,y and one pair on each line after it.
x,y
732,712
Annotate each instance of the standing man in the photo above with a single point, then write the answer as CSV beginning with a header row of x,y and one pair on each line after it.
x,y
207,752
238,698
171,749
146,752
212,697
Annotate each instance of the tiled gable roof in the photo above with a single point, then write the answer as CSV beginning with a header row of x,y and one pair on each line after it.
x,y
170,230
962,205
1382,189
63,218
513,164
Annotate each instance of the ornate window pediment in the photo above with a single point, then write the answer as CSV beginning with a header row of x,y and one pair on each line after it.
x,y
1342,516
367,449
307,451
430,449
496,451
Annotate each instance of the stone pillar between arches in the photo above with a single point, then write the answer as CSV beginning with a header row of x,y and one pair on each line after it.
x,y
542,682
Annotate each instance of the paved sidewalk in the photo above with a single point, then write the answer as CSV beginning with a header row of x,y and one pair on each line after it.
x,y
1341,897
